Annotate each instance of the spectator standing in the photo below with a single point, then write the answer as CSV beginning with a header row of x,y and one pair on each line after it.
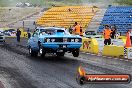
x,y
77,29
107,35
113,34
81,31
70,30
28,33
18,34
117,35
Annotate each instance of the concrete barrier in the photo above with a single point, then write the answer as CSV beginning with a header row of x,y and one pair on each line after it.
x,y
96,45
89,45
114,51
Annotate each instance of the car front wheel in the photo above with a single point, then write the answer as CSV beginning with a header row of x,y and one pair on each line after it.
x,y
31,52
75,53
41,52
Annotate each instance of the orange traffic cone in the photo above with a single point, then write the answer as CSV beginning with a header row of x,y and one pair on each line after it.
x,y
128,41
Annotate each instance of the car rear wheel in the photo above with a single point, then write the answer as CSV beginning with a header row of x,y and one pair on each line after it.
x,y
75,53
31,52
41,52
61,54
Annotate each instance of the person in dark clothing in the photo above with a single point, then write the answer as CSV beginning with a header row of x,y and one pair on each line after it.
x,y
18,34
70,30
113,33
28,33
81,31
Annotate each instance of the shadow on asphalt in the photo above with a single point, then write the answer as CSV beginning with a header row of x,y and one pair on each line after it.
x,y
55,59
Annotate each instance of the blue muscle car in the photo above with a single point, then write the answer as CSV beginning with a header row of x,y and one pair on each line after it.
x,y
53,40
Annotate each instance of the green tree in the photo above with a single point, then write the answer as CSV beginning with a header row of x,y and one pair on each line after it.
x,y
129,2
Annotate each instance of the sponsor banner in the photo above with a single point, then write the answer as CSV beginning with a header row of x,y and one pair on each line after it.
x,y
89,45
105,78
83,77
86,44
9,32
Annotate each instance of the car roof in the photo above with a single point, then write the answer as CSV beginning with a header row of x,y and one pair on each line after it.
x,y
50,28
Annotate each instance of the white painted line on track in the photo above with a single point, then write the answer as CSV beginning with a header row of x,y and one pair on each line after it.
x,y
82,52
115,58
109,57
121,59
93,54
99,55
104,56
87,53
126,60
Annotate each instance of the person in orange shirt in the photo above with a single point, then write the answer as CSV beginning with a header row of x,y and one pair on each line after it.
x,y
77,29
107,35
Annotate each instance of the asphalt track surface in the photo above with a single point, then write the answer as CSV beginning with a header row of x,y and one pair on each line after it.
x,y
19,70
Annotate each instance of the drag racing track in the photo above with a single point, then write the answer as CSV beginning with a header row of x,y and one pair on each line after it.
x,y
19,70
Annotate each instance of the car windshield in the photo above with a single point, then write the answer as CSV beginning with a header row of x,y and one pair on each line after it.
x,y
50,31
47,31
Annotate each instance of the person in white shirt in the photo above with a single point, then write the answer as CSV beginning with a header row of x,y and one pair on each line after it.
x,y
117,35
